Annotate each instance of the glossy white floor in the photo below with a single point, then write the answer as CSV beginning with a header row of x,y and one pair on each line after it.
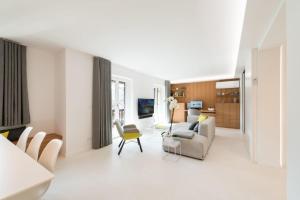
x,y
226,174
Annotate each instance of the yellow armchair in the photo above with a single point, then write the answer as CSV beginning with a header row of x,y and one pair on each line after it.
x,y
129,132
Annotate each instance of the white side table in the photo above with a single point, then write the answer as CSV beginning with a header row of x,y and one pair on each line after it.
x,y
171,143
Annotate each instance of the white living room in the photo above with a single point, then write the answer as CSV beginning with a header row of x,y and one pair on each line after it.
x,y
149,100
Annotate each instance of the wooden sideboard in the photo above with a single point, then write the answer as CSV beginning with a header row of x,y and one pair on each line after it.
x,y
228,108
228,115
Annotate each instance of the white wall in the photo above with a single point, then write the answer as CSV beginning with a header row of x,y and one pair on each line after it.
x,y
41,88
60,98
293,71
276,35
271,94
250,101
60,95
265,89
142,86
79,76
268,107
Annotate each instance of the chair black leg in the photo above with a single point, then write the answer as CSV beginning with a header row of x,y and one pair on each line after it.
x,y
121,147
139,142
120,143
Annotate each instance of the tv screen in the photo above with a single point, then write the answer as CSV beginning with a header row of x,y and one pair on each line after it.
x,y
195,104
145,107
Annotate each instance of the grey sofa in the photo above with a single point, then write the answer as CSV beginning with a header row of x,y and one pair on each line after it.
x,y
198,146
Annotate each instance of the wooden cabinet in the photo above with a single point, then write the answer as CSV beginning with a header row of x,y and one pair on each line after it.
x,y
180,113
227,105
228,115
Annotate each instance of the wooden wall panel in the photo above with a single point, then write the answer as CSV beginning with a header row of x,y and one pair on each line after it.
x,y
205,91
227,113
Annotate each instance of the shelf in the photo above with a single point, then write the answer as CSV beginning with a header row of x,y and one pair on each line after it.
x,y
179,96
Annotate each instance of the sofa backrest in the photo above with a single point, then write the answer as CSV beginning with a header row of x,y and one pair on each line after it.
x,y
193,115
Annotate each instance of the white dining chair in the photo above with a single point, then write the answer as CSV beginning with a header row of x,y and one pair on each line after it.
x,y
34,146
50,153
22,142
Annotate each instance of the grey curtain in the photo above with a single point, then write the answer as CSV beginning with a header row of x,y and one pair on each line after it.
x,y
168,93
14,106
102,111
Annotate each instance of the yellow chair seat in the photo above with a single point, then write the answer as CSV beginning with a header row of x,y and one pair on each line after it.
x,y
130,136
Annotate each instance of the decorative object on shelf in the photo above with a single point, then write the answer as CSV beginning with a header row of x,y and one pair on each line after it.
x,y
211,109
228,95
179,92
176,92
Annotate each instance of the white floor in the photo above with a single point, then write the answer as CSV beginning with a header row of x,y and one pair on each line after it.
x,y
226,174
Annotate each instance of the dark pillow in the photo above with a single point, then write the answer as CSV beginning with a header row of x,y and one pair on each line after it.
x,y
15,133
192,126
196,128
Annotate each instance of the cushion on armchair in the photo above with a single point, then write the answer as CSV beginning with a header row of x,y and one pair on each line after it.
x,y
129,126
5,134
131,130
14,133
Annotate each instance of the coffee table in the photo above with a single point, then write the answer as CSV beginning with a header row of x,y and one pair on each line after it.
x,y
171,143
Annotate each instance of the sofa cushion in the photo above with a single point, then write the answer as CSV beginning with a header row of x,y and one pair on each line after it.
x,y
184,134
192,118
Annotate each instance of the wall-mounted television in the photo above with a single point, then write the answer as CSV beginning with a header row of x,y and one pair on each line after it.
x,y
145,108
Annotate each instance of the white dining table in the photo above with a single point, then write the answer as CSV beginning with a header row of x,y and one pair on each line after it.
x,y
21,177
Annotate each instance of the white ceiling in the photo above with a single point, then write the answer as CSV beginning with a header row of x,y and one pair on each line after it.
x,y
170,39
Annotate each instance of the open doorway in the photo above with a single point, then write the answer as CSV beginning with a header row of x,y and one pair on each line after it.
x,y
159,107
118,91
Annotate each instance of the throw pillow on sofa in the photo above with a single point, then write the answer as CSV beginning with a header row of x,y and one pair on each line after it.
x,y
196,128
192,126
202,118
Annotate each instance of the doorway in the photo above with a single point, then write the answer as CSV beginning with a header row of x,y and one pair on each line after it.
x,y
159,107
118,91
